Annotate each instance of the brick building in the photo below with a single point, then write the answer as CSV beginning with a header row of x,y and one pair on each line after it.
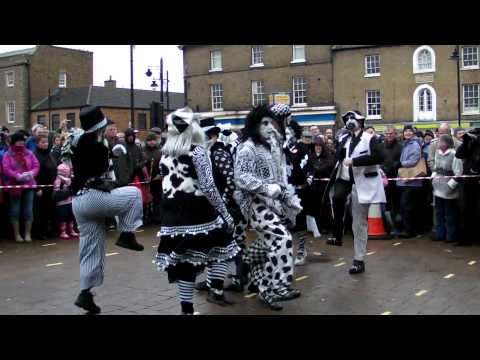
x,y
66,103
407,83
390,84
227,80
26,76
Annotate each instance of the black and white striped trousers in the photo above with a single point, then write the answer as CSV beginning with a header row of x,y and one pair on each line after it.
x,y
90,210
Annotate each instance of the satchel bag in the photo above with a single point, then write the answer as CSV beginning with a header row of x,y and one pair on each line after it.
x,y
418,170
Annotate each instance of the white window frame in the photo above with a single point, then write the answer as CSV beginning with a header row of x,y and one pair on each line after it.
x,y
62,79
252,53
7,110
366,66
470,67
470,111
417,52
212,69
377,116
212,96
299,104
7,82
255,87
300,60
417,115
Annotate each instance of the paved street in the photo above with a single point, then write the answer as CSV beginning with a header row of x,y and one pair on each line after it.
x,y
414,276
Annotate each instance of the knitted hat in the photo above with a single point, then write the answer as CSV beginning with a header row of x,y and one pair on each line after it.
x,y
92,119
17,136
151,136
408,127
429,133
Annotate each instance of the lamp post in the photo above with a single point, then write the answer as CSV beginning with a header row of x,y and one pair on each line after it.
x,y
132,101
456,56
154,85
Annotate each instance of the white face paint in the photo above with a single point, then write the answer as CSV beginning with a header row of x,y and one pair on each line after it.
x,y
267,129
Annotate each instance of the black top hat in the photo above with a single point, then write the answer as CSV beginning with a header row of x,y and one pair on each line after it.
x,y
92,119
209,125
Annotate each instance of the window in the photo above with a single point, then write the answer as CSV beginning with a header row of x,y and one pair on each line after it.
x,y
55,121
298,53
423,60
142,121
372,65
299,91
257,55
373,104
62,79
71,120
216,60
217,96
470,98
424,103
470,57
41,119
10,78
11,111
258,93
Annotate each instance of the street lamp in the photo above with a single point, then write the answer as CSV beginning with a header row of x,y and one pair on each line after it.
x,y
456,56
155,85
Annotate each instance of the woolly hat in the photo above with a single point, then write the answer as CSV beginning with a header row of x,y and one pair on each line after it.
x,y
17,136
151,136
408,127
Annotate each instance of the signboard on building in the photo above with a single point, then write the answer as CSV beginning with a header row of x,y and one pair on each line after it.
x,y
424,78
279,98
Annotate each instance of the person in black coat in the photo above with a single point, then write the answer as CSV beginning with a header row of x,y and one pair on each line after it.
x,y
391,149
43,205
469,152
320,163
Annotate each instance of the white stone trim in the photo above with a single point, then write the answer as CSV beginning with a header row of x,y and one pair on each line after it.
x,y
416,70
416,105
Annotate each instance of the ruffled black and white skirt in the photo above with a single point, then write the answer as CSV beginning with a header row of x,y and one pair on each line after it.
x,y
197,245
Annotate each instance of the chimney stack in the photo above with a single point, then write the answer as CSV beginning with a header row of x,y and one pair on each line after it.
x,y
111,83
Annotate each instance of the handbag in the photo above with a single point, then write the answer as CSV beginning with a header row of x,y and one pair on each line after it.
x,y
419,170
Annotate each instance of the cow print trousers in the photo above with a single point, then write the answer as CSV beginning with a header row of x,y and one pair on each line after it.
x,y
270,256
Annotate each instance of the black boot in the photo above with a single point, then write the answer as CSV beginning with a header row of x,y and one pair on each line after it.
x,y
202,286
128,240
215,298
358,267
290,294
85,301
187,308
270,302
334,242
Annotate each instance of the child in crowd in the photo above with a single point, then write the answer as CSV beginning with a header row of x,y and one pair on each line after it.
x,y
63,200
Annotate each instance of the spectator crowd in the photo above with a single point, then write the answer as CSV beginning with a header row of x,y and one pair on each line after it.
x,y
444,208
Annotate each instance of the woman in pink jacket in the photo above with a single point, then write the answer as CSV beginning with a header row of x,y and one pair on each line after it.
x,y
20,167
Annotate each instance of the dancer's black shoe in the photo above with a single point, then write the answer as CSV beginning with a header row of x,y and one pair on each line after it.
x,y
128,240
358,267
253,289
270,303
290,295
334,242
201,286
235,287
85,301
215,298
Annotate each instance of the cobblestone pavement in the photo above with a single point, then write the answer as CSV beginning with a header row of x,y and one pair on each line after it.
x,y
413,276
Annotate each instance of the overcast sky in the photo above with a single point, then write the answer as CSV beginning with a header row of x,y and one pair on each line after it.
x,y
114,60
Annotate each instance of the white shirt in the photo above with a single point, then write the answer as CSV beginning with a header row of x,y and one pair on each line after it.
x,y
344,173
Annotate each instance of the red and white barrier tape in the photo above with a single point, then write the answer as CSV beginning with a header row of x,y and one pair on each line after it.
x,y
47,186
322,179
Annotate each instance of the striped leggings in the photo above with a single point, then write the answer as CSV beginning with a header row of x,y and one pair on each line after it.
x,y
90,210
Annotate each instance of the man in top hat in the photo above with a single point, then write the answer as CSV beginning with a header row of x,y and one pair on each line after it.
x,y
97,196
357,171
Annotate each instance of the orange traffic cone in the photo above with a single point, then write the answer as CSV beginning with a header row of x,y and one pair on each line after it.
x,y
376,229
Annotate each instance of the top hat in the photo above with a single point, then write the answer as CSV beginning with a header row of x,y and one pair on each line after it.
x,y
354,114
209,126
92,119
